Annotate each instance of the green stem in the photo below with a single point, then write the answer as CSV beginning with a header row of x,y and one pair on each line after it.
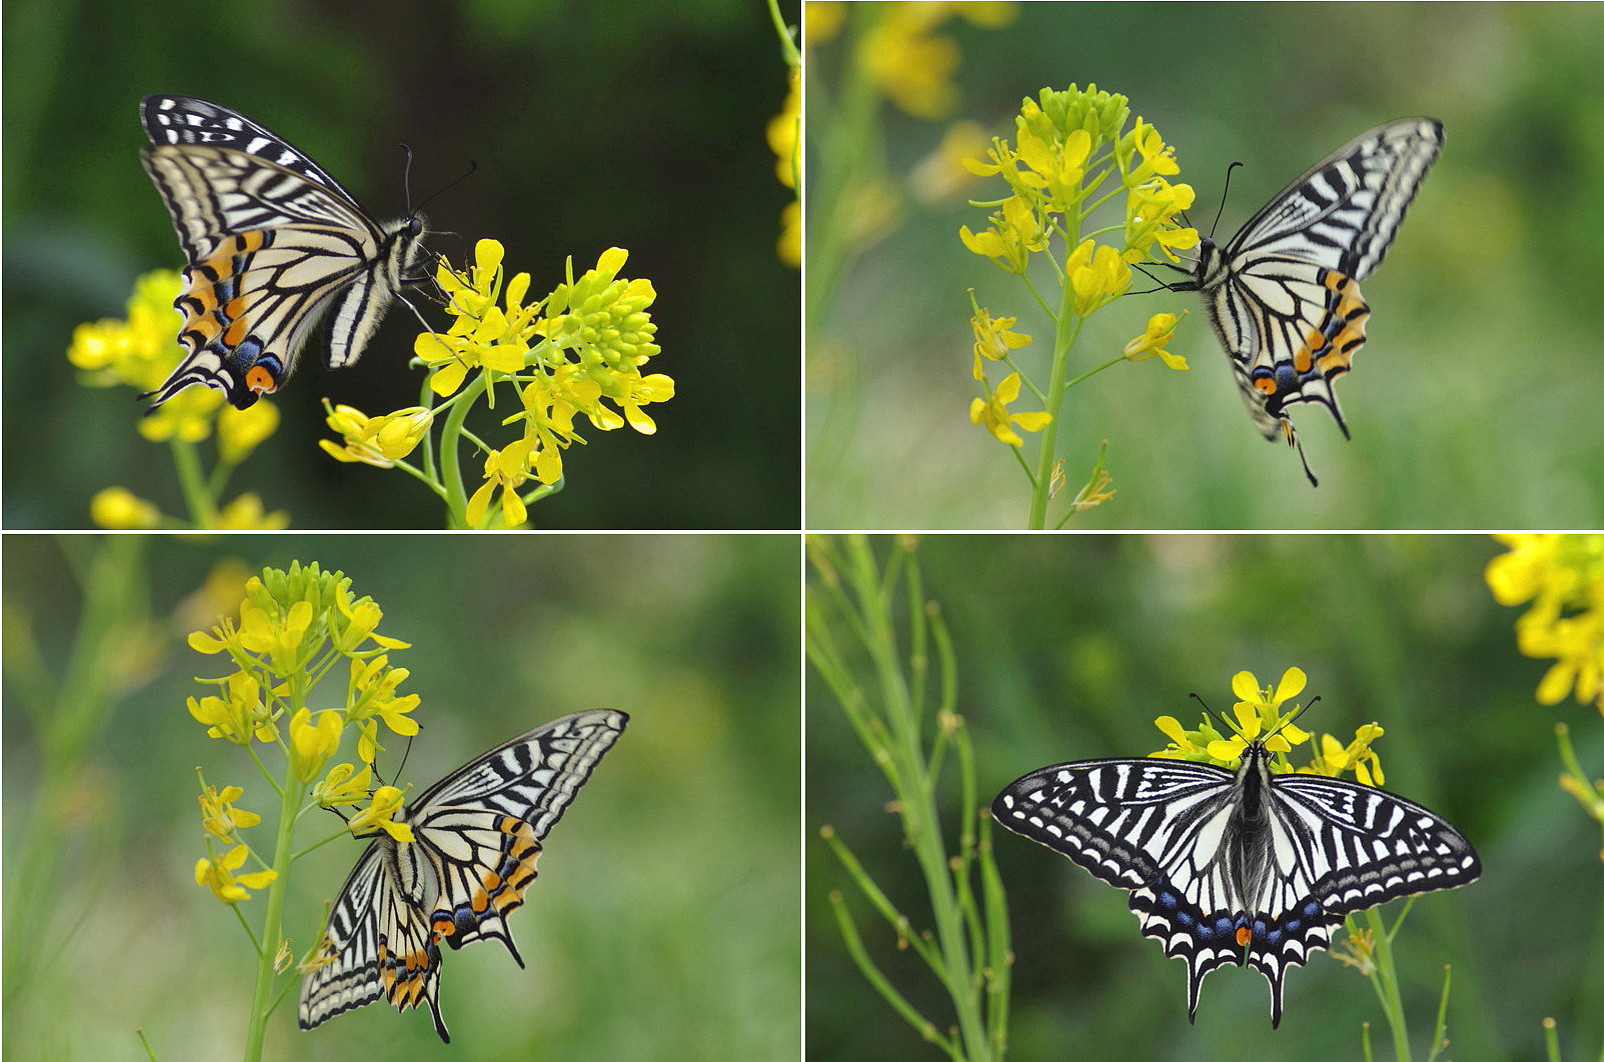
x,y
872,973
1386,982
793,57
202,506
845,138
1063,339
450,457
110,573
920,825
283,857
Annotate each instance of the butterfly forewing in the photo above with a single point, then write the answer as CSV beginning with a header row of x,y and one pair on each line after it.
x,y
1283,294
187,120
271,241
477,833
1215,884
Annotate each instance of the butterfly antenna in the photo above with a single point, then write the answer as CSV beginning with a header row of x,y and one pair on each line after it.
x,y
1229,724
438,192
404,756
406,179
1223,196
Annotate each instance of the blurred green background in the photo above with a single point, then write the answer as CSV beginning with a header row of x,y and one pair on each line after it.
x,y
627,123
1469,406
1069,648
664,921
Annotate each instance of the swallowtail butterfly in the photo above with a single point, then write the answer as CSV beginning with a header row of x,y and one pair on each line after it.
x,y
272,242
476,834
1283,293
1233,867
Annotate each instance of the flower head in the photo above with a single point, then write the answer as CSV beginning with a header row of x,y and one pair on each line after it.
x,y
993,413
218,814
313,742
344,784
227,886
374,685
380,441
783,128
1258,711
1016,233
1097,274
237,716
1563,577
118,508
1160,330
246,512
239,431
141,350
909,63
380,815
1334,757
993,338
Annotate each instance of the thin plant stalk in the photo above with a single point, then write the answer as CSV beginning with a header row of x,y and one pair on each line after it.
x,y
891,697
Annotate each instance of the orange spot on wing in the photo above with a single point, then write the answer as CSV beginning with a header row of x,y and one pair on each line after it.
x,y
1243,935
258,379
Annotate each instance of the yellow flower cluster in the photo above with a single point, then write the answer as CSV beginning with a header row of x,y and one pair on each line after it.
x,y
1259,710
1563,577
1067,146
783,133
294,626
577,352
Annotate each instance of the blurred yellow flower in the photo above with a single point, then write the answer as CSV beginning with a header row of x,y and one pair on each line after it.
x,y
1563,577
119,509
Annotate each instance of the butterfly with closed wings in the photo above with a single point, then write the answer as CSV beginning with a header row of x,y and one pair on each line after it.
x,y
1242,866
273,242
1283,293
477,833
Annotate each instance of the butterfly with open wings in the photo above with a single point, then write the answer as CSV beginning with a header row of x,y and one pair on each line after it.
x,y
1239,866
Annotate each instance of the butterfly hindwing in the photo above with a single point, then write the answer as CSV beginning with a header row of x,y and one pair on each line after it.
x,y
1216,884
1283,294
272,242
477,833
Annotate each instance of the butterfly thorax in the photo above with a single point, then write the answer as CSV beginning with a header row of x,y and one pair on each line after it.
x,y
1246,848
1207,272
